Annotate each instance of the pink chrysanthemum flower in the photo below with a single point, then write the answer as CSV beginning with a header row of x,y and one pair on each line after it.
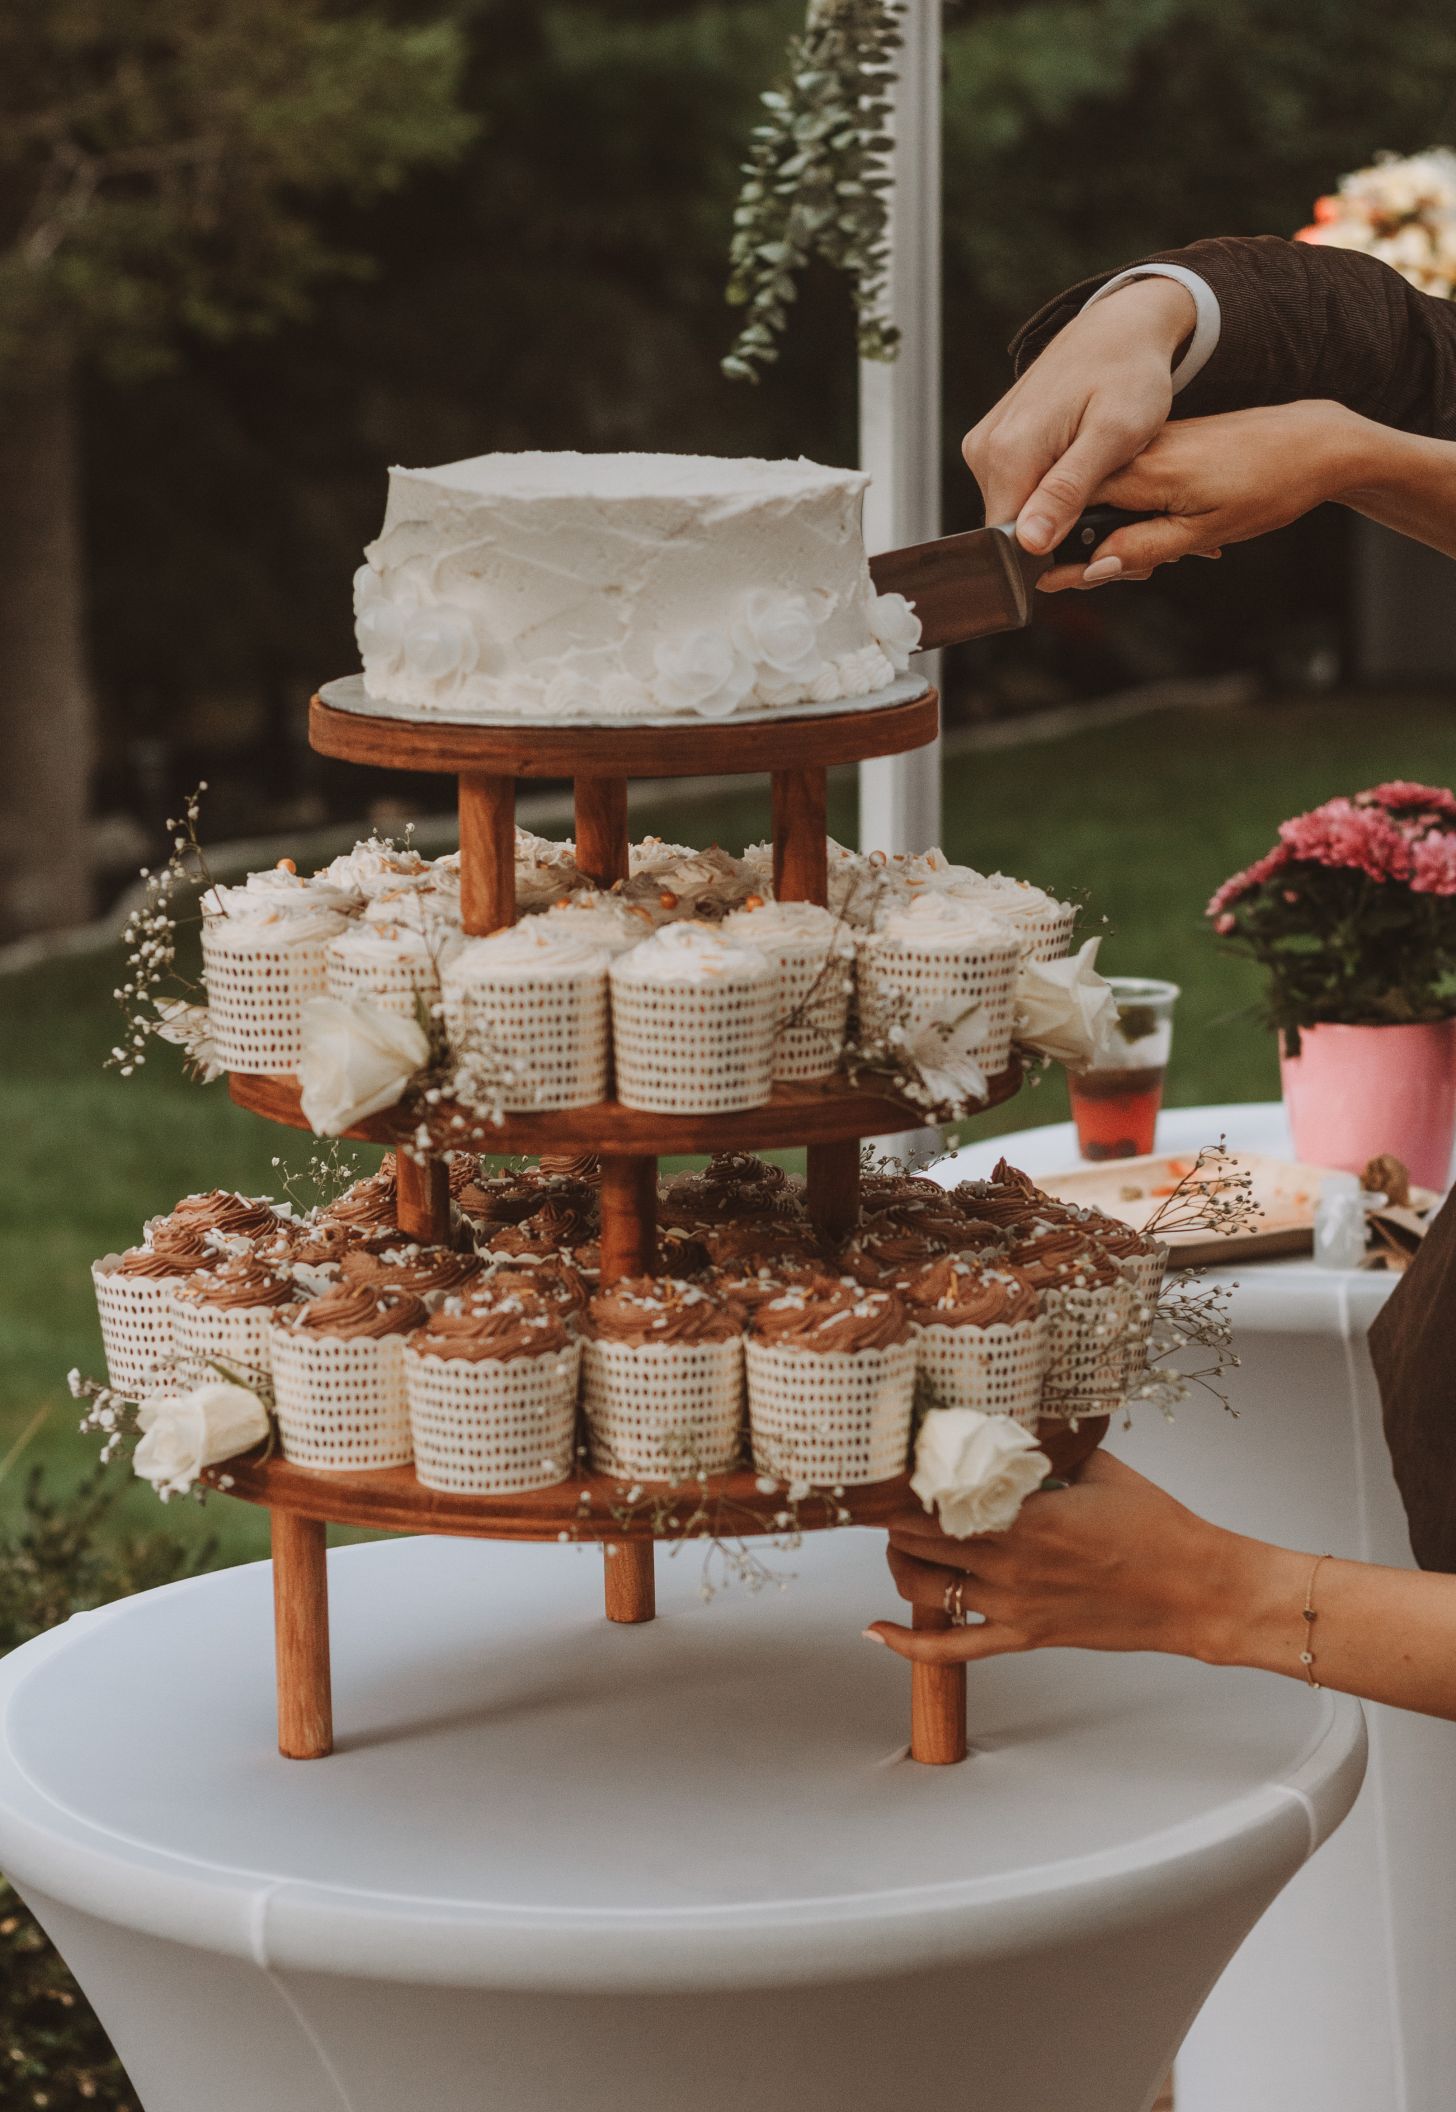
x,y
1339,833
1433,864
1245,882
1401,796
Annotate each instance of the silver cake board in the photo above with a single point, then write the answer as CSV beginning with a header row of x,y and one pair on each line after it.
x,y
348,694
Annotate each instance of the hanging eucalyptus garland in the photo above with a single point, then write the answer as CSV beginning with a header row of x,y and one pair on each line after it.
x,y
816,184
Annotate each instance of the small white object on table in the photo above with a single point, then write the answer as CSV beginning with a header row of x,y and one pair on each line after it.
x,y
1344,1998
562,1864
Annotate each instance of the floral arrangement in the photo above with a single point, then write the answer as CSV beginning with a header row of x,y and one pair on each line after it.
x,y
1352,914
816,182
1402,209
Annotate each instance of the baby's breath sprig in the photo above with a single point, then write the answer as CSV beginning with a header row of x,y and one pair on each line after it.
x,y
325,1175
155,998
816,182
1215,1195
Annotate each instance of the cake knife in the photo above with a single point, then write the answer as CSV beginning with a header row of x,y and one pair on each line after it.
x,y
969,586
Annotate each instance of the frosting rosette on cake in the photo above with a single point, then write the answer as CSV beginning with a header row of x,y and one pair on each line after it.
x,y
565,587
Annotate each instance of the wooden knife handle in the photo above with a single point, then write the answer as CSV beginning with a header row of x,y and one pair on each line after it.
x,y
1094,527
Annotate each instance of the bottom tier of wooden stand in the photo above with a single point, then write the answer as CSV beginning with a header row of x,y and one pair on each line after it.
x,y
627,1522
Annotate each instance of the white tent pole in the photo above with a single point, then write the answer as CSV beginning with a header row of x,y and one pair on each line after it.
x,y
900,404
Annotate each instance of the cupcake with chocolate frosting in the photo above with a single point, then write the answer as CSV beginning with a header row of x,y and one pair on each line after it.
x,y
1092,1309
981,1338
370,1205
662,1370
831,1383
733,1185
134,1300
223,1316
427,1273
338,1377
219,1210
558,1281
491,1384
886,1255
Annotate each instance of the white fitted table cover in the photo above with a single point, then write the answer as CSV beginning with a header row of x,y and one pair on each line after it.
x,y
1344,1997
684,1867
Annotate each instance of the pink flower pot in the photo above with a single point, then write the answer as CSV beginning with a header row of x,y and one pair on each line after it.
x,y
1354,1092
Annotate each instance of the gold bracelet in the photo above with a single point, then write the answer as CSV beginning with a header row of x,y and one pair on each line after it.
x,y
1306,1655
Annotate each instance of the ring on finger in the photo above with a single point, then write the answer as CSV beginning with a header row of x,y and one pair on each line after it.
x,y
953,1601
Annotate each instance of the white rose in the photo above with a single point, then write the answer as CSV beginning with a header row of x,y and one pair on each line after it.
x,y
440,642
357,1058
975,1470
704,673
368,589
777,632
1065,1009
380,634
896,627
184,1434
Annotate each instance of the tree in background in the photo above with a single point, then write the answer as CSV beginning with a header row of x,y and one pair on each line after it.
x,y
163,170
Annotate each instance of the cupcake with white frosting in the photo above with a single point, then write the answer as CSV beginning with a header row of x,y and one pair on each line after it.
x,y
693,1022
264,956
702,883
1043,924
546,872
392,955
532,1000
939,962
814,953
606,921
284,888
375,867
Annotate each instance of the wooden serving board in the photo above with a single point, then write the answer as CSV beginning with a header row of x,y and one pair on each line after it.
x,y
1136,1189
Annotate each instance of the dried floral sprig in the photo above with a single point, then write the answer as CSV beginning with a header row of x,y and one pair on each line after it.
x,y
155,998
817,181
326,1174
1193,1314
1216,1194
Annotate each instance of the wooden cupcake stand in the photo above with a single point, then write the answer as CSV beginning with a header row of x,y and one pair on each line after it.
x,y
829,1118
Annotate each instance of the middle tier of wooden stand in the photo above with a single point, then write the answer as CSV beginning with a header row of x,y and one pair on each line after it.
x,y
817,1111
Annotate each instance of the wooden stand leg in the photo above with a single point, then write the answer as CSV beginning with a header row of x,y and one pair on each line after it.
x,y
423,1199
628,1197
301,1636
937,1702
801,856
601,828
630,1579
487,853
833,1183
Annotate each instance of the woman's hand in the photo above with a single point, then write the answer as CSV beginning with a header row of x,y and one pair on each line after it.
x,y
1112,1563
1092,400
1223,480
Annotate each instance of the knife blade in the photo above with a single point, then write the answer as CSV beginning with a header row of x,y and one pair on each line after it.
x,y
973,585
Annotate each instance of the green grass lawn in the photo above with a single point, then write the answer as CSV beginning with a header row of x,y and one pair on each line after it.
x,y
1144,819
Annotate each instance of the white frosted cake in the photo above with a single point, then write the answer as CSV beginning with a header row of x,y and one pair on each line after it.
x,y
568,587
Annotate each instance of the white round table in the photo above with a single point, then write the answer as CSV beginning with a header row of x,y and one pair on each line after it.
x,y
556,1864
1344,1997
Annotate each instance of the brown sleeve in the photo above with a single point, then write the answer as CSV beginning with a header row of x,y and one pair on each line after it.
x,y
1413,1348
1302,321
